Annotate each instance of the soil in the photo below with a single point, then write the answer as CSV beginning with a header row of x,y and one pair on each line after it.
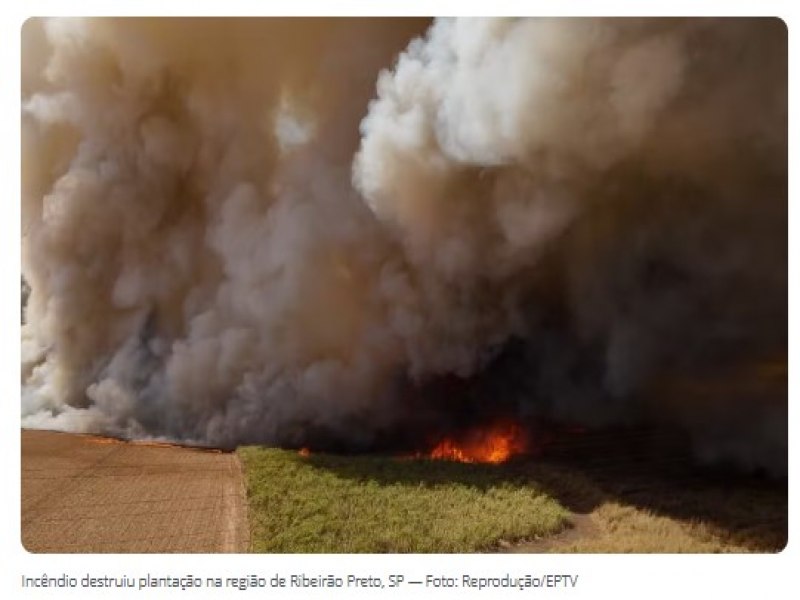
x,y
580,526
86,494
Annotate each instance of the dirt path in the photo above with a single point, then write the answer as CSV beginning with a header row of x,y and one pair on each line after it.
x,y
88,494
581,527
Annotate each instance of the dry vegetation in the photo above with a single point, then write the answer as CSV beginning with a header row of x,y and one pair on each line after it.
x,y
620,528
697,520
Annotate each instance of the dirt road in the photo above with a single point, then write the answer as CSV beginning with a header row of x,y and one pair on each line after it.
x,y
87,494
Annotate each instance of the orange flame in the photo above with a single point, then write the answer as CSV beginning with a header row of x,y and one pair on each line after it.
x,y
304,452
494,445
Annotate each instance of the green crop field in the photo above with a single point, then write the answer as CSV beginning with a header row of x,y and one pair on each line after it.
x,y
330,503
326,503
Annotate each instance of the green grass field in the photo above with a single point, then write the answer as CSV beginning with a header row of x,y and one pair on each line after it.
x,y
342,504
332,504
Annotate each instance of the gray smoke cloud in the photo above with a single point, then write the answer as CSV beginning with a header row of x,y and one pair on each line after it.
x,y
231,235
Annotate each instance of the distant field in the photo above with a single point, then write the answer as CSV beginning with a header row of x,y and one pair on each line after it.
x,y
325,503
328,503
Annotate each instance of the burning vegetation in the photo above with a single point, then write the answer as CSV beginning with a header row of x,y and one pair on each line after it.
x,y
391,234
494,445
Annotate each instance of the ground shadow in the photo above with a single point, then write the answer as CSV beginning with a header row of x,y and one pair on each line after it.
x,y
644,468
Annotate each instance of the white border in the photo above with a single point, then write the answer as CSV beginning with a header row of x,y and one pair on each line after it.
x,y
638,576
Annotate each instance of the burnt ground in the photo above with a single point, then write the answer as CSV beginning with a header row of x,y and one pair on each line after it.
x,y
88,494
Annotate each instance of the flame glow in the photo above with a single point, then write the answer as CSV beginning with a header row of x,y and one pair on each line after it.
x,y
494,445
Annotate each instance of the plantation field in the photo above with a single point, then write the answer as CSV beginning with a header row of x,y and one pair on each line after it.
x,y
341,504
326,503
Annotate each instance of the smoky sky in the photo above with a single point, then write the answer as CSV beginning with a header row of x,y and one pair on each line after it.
x,y
241,230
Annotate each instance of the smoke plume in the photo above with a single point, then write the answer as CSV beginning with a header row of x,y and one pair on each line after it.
x,y
231,234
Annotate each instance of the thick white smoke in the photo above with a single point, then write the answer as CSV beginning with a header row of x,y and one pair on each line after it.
x,y
217,252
